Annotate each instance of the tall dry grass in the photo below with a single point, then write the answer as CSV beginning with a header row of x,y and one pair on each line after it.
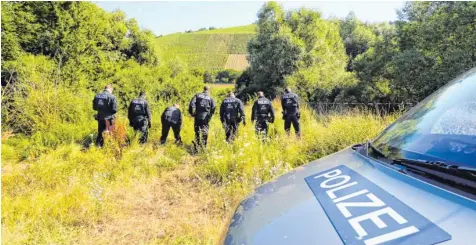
x,y
152,194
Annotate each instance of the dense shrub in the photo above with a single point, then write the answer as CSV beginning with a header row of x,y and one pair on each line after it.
x,y
296,48
49,81
405,61
227,76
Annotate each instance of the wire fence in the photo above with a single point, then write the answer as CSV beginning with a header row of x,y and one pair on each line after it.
x,y
323,108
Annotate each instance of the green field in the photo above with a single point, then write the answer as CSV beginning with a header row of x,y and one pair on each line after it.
x,y
248,29
208,49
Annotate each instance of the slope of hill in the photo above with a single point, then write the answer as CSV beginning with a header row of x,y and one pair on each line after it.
x,y
211,49
248,29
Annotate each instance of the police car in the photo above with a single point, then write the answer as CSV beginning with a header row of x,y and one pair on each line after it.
x,y
415,183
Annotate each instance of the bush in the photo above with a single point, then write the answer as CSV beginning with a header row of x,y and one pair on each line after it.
x,y
249,162
227,76
208,77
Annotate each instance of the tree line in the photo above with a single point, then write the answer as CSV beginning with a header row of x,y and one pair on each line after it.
x,y
352,61
57,55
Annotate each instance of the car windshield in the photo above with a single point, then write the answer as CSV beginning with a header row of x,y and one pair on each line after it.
x,y
440,128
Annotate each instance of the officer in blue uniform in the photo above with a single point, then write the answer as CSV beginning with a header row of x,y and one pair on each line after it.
x,y
262,113
291,114
231,114
105,104
139,116
171,118
201,107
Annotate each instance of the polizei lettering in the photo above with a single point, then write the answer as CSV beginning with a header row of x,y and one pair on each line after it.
x,y
335,181
363,213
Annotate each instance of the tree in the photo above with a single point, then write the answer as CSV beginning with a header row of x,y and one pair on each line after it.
x,y
208,77
141,45
56,55
373,70
227,76
297,49
322,69
357,36
444,36
274,51
85,42
432,43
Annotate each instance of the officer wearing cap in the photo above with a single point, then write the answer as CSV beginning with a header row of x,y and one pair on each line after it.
x,y
291,114
139,116
105,104
262,113
231,114
171,118
201,107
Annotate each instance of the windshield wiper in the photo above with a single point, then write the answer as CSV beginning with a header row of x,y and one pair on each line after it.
x,y
458,174
438,170
436,165
376,150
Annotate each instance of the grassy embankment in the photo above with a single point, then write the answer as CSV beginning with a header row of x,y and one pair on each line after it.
x,y
155,194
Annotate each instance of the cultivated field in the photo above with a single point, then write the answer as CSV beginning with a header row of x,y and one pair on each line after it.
x,y
210,50
237,62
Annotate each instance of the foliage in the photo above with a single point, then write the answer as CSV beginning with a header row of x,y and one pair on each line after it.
x,y
371,70
297,49
274,51
74,34
48,85
37,105
140,45
405,61
357,36
244,86
431,44
444,34
227,76
322,69
208,77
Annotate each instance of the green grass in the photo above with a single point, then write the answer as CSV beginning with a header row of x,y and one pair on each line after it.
x,y
248,29
221,90
156,194
209,49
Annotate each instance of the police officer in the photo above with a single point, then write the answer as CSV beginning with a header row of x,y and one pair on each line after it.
x,y
106,105
202,106
291,114
263,113
171,118
231,114
139,116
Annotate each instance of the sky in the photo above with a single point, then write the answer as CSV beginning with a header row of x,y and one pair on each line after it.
x,y
170,17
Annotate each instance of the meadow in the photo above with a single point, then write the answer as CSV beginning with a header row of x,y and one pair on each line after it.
x,y
153,194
